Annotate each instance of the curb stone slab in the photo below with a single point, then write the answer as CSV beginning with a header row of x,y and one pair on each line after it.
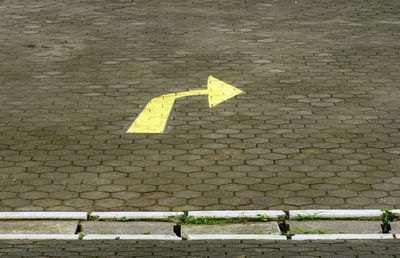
x,y
38,227
49,215
129,227
235,236
395,225
134,215
271,214
337,214
245,230
335,227
26,224
264,228
340,236
129,237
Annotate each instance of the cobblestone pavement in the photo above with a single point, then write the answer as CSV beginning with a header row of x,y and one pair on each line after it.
x,y
230,248
318,126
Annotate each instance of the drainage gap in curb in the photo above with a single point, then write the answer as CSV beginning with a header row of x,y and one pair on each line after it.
x,y
79,229
177,230
285,230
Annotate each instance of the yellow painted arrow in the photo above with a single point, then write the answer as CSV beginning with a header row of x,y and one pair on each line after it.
x,y
155,115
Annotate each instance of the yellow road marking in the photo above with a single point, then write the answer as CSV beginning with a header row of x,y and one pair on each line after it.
x,y
155,115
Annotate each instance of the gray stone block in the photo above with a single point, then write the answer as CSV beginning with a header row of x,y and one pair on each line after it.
x,y
335,227
395,225
129,227
38,227
270,228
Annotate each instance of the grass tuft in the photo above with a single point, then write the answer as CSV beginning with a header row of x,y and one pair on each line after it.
x,y
308,217
306,231
124,219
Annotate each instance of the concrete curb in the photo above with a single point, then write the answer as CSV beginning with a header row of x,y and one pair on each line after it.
x,y
130,237
140,215
271,214
164,216
37,215
396,213
341,236
234,236
40,236
337,214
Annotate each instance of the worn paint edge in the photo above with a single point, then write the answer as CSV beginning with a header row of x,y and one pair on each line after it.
x,y
341,236
134,215
336,214
40,215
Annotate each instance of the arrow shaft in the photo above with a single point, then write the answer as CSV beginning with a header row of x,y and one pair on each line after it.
x,y
155,115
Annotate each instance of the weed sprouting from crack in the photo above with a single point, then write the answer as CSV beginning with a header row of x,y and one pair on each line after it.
x,y
123,218
308,217
387,217
307,231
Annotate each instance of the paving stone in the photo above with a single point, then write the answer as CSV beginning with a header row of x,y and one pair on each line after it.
x,y
269,228
128,227
200,248
318,125
335,227
38,227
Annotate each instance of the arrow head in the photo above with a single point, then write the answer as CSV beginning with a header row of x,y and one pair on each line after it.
x,y
219,91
